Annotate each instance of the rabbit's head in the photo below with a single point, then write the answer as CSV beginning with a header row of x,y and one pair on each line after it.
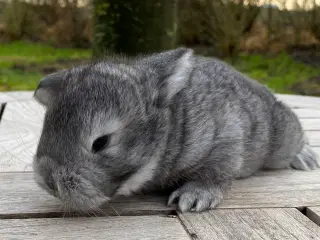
x,y
104,122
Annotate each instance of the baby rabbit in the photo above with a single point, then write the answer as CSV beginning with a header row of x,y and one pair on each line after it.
x,y
164,120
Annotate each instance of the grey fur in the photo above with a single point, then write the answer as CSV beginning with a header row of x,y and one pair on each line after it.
x,y
177,121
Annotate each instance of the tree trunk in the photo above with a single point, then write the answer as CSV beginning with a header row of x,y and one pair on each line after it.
x,y
134,26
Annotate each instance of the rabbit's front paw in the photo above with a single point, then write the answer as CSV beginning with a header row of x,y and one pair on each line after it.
x,y
194,196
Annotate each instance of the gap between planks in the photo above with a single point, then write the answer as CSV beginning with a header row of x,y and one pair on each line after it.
x,y
276,225
314,214
20,195
218,224
2,108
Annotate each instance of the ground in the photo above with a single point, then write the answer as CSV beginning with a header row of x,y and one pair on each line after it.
x,y
281,73
23,64
270,205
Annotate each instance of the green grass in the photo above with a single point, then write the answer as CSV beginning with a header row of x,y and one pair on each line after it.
x,y
278,73
18,80
25,54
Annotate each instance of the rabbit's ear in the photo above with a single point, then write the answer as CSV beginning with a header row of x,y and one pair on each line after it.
x,y
49,87
173,69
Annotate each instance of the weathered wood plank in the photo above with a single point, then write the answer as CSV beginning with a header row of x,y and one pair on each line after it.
x,y
111,228
275,189
314,214
20,195
307,113
314,139
296,101
20,129
310,124
317,150
250,224
5,98
15,96
24,111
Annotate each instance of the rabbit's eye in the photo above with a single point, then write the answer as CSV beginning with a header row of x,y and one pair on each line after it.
x,y
100,143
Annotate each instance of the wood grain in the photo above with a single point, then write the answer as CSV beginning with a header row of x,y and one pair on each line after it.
x,y
246,224
310,124
275,189
111,228
296,101
314,138
317,151
247,212
15,96
307,113
314,214
4,98
20,129
21,196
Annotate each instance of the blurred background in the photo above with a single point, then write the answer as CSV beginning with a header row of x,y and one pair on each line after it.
x,y
276,42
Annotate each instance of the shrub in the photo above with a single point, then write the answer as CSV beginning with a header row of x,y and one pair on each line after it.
x,y
227,22
219,23
65,25
316,22
134,26
20,21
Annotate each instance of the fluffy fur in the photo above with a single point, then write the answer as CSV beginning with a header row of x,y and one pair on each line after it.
x,y
175,120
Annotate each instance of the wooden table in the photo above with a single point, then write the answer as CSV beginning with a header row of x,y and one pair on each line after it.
x,y
270,205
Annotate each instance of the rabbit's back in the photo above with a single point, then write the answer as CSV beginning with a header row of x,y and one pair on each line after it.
x,y
219,106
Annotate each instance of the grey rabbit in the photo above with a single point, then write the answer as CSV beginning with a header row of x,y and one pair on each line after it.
x,y
170,119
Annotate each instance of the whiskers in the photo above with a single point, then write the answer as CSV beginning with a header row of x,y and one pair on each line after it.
x,y
116,212
90,212
100,210
66,209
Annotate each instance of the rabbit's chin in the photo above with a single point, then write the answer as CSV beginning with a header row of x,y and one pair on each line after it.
x,y
84,204
83,197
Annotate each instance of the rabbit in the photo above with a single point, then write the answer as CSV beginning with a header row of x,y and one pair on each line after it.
x,y
165,120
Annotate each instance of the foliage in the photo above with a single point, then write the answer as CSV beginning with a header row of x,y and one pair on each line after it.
x,y
300,18
279,72
134,26
59,22
190,28
105,18
315,27
221,23
20,22
226,26
231,26
218,27
226,22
